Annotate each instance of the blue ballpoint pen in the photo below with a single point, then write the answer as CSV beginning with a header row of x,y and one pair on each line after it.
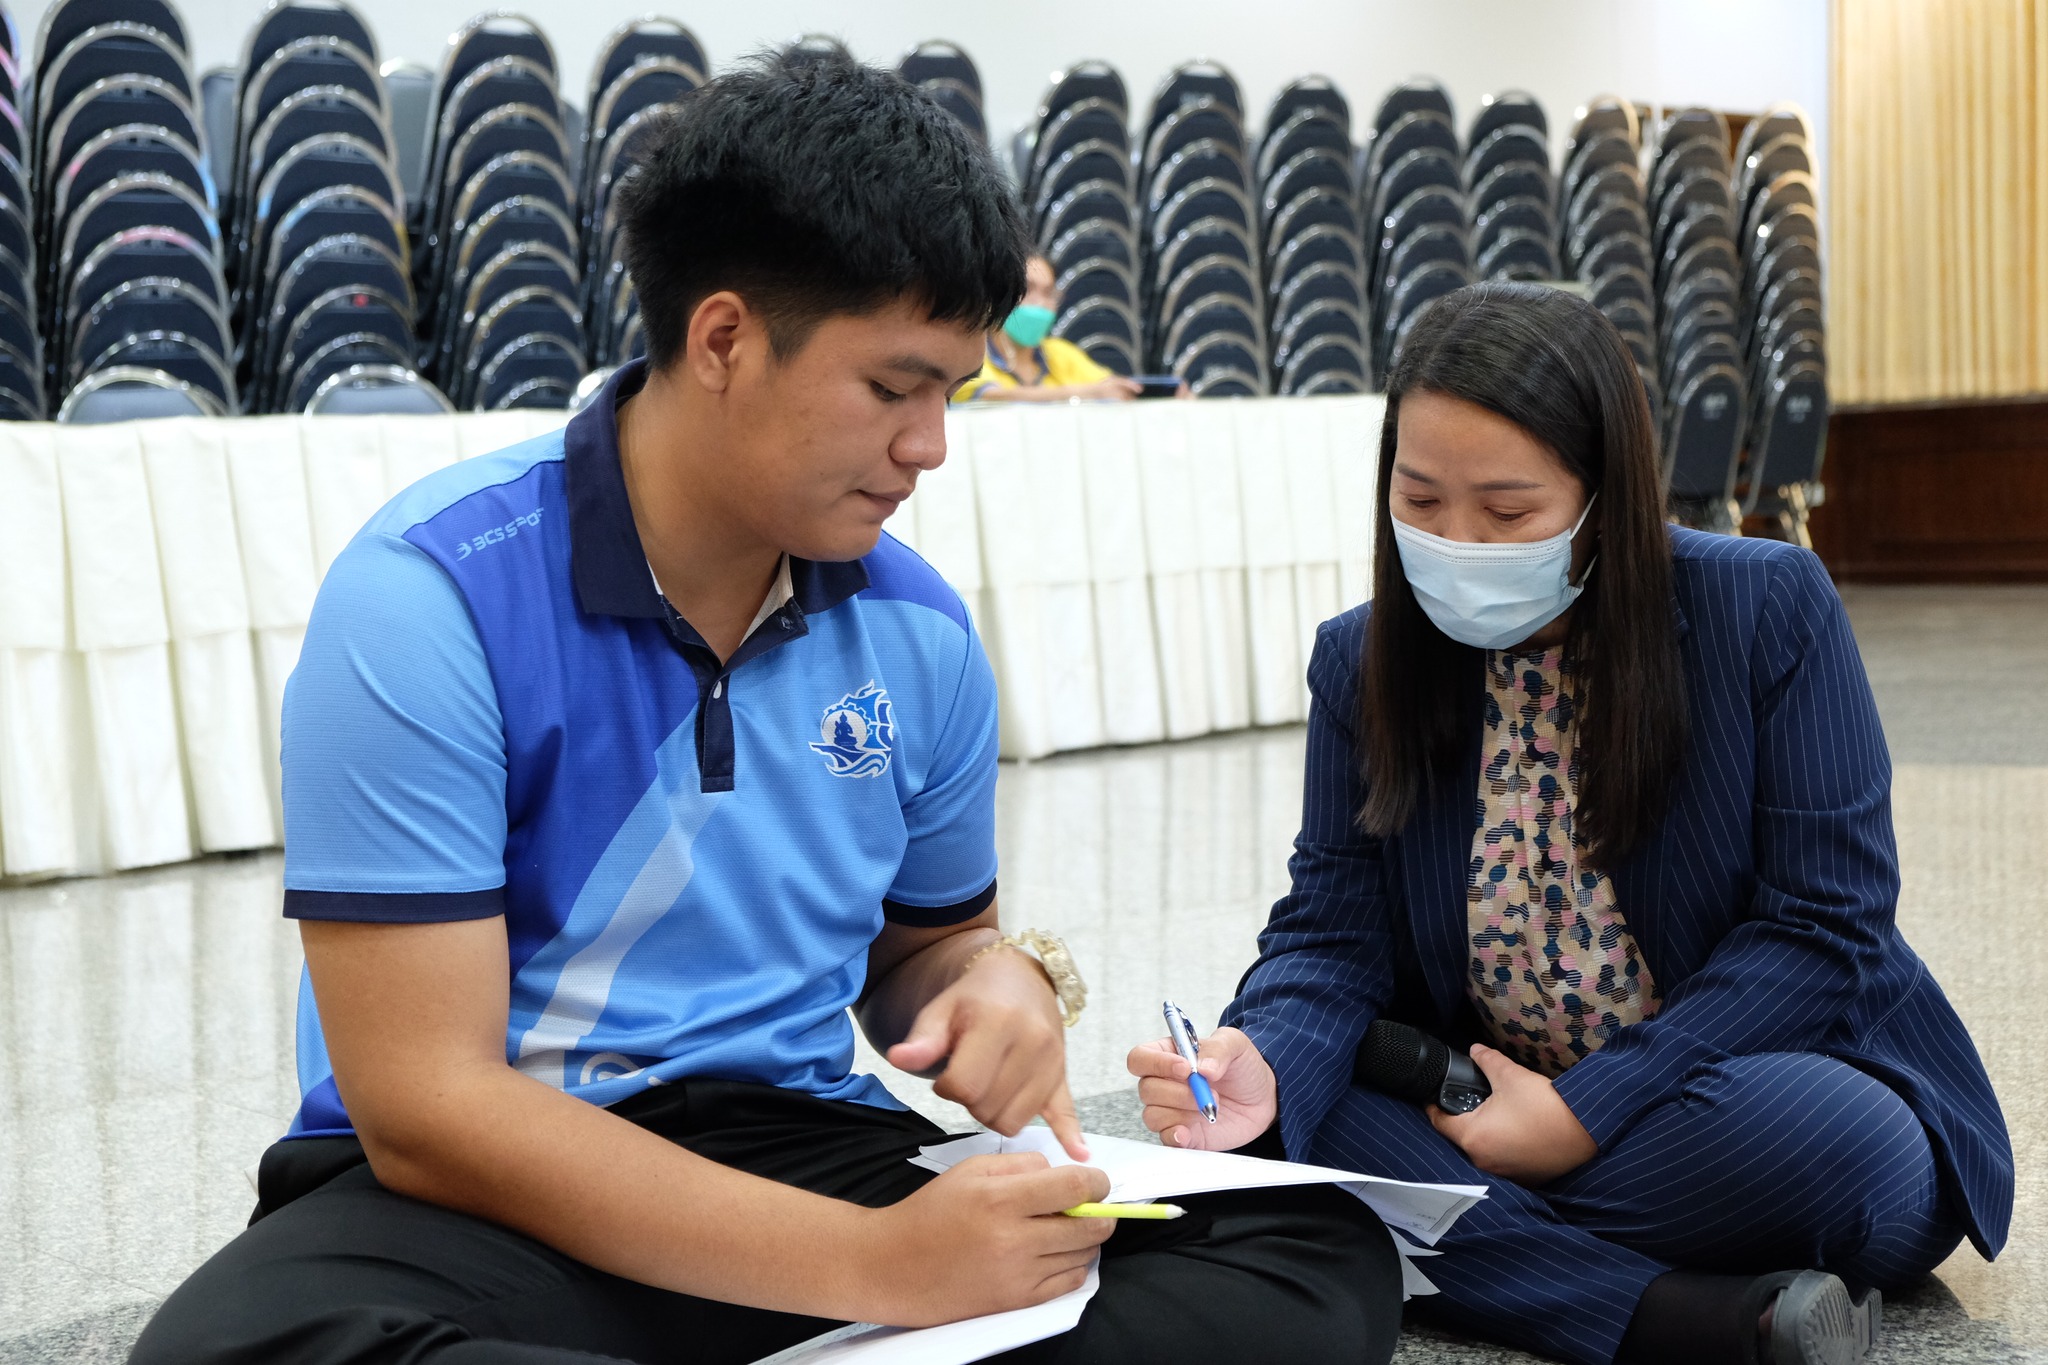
x,y
1182,1030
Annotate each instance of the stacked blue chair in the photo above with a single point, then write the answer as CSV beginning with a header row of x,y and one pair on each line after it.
x,y
1413,202
1313,255
21,350
318,251
497,270
1512,194
1199,235
1603,224
946,73
642,70
1073,168
132,300
1696,286
1779,320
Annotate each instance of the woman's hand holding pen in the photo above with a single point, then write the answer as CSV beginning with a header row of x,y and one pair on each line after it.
x,y
1247,1097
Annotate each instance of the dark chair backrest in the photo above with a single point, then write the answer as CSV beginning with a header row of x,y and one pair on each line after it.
x,y
110,103
1506,109
1083,121
938,59
1203,237
151,252
1097,316
539,370
1088,202
1084,81
1325,281
1525,212
1094,160
1204,157
144,305
1098,275
1307,210
1321,359
1792,423
1445,243
1306,95
1424,128
1315,169
294,392
1110,238
1190,83
1517,142
1308,248
1602,116
1307,127
329,264
64,20
128,149
1410,97
376,391
182,357
1191,122
128,393
1704,435
1210,197
637,39
1419,169
283,21
116,49
1769,161
313,62
1780,120
1212,274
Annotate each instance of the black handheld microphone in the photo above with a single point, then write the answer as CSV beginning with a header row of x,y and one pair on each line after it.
x,y
1410,1065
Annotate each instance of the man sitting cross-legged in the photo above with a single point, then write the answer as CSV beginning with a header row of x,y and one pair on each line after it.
x,y
620,764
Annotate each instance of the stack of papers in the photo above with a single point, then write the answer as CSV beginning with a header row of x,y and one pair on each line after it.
x,y
1139,1172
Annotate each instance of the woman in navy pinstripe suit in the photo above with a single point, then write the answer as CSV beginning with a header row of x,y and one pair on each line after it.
x,y
1607,802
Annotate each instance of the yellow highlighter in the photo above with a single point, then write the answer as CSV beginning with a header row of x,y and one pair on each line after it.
x,y
1124,1211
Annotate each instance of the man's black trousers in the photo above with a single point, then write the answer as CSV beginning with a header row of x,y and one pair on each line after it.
x,y
334,1268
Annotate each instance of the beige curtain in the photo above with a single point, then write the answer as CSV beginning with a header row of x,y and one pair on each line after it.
x,y
1938,206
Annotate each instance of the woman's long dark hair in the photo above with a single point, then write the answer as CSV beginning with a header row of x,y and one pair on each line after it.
x,y
1551,364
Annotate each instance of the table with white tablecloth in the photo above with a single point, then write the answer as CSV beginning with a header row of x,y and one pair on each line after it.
x,y
1138,572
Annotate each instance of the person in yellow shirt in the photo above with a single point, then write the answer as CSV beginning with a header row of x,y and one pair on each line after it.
x,y
1025,364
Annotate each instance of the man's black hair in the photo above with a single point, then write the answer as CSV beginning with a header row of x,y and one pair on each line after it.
x,y
813,185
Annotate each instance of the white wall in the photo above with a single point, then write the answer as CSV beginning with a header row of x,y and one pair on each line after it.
x,y
1732,54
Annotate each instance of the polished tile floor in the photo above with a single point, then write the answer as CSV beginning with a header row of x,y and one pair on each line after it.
x,y
146,1035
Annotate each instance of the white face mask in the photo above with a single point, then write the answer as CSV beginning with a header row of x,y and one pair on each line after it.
x,y
1491,596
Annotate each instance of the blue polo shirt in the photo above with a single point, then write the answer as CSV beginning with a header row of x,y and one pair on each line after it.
x,y
497,713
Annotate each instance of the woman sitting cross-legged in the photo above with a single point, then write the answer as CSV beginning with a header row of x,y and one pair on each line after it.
x,y
1607,803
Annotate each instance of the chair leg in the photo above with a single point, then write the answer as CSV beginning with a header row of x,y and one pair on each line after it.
x,y
1793,516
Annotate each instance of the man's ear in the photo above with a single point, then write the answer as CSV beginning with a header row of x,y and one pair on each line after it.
x,y
723,332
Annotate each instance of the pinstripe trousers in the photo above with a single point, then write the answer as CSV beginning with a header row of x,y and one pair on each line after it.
x,y
1771,1162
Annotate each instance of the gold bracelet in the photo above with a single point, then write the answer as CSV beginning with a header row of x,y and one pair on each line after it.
x,y
1051,957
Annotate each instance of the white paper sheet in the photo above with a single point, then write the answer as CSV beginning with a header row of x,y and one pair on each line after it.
x,y
1143,1171
1139,1172
953,1343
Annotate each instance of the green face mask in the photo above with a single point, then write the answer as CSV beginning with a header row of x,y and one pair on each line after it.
x,y
1028,324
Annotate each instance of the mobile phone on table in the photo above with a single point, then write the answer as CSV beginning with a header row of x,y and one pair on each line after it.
x,y
1157,385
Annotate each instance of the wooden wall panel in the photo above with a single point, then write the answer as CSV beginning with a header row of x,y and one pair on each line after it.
x,y
1936,493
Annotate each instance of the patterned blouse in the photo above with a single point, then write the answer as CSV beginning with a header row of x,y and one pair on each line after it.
x,y
1555,970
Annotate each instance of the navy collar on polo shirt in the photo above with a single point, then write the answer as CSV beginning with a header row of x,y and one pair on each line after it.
x,y
606,559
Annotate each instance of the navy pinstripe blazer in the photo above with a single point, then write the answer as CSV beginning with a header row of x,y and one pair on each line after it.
x,y
1764,907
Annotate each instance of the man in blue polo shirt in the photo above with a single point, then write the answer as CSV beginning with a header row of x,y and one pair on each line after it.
x,y
622,764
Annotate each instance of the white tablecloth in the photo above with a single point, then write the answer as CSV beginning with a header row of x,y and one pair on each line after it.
x,y
1138,572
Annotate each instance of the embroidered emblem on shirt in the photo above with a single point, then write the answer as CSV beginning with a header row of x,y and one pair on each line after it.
x,y
859,732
